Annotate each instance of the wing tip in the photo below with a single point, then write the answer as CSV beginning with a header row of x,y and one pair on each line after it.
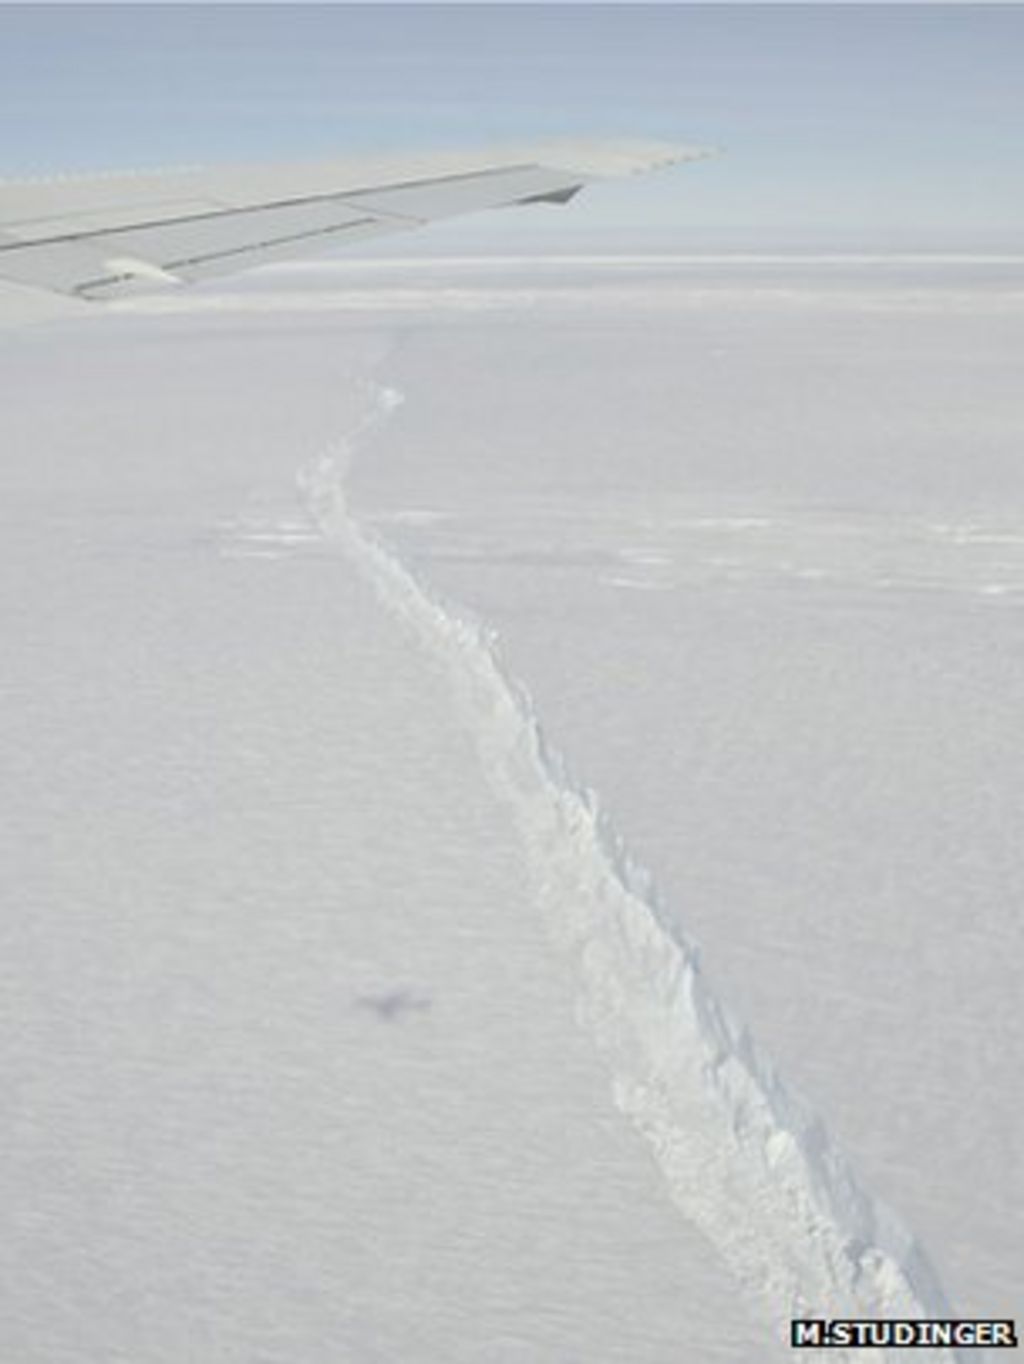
x,y
611,159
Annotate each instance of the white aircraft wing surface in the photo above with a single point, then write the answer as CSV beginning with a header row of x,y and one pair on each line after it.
x,y
65,243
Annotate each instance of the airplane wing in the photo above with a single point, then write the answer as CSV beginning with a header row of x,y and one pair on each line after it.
x,y
68,243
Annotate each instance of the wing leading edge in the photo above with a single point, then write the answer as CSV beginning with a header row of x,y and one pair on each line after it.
x,y
68,242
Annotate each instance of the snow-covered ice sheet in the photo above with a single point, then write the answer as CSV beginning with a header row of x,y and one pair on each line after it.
x,y
758,557
290,1069
294,1059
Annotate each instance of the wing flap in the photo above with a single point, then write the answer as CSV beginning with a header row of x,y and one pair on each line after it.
x,y
217,243
129,275
59,266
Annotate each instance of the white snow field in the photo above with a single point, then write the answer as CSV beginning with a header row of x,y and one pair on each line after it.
x,y
469,728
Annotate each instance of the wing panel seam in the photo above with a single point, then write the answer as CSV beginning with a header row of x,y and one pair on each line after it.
x,y
171,266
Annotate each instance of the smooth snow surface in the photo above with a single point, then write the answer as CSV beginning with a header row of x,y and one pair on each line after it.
x,y
303,903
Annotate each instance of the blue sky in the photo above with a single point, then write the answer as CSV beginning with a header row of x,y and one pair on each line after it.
x,y
843,126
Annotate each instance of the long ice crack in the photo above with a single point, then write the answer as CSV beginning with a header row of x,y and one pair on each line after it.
x,y
744,1160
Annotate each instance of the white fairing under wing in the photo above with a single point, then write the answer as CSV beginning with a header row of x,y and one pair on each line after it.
x,y
66,243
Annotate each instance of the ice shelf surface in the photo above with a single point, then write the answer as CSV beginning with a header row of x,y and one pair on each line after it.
x,y
305,914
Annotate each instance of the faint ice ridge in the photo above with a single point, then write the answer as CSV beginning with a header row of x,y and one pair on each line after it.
x,y
749,1164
